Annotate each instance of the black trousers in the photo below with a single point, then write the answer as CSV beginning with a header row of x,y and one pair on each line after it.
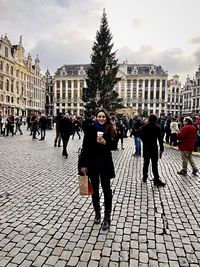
x,y
154,162
96,179
65,140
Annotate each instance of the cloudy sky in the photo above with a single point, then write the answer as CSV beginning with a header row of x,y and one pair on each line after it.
x,y
62,32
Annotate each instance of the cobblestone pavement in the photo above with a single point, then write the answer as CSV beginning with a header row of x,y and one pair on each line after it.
x,y
44,221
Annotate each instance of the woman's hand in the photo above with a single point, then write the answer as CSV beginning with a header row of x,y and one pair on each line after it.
x,y
84,170
101,140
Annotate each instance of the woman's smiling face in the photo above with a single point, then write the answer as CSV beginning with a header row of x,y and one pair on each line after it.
x,y
101,117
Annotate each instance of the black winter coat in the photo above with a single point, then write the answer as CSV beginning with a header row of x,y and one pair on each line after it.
x,y
150,135
65,127
96,156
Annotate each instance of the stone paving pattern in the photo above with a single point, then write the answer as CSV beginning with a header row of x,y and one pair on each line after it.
x,y
45,222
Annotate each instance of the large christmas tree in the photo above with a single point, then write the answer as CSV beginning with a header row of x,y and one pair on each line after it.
x,y
102,75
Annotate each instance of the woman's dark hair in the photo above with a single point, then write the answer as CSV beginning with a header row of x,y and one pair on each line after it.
x,y
109,125
108,121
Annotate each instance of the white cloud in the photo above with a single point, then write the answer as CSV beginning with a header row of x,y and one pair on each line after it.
x,y
137,22
63,31
174,60
195,40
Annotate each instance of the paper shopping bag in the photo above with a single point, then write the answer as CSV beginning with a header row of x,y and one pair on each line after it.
x,y
85,186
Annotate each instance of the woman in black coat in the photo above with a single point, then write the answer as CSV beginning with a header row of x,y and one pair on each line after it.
x,y
96,161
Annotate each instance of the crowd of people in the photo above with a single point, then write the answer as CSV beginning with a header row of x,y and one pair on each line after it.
x,y
103,133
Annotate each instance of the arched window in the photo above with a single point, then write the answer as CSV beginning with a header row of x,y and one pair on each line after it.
x,y
12,99
1,65
7,99
7,85
1,99
7,68
11,70
1,82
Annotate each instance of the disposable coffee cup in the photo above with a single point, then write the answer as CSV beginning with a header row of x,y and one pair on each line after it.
x,y
99,134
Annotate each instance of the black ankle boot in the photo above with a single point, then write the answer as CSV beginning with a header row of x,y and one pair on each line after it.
x,y
108,208
106,223
97,218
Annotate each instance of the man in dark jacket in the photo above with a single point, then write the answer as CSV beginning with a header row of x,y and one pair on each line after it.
x,y
150,134
65,129
136,129
43,126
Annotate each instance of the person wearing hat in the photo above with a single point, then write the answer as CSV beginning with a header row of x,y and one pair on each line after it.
x,y
187,137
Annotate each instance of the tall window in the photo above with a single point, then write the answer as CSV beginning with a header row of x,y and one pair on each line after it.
x,y
58,84
69,94
69,84
7,85
146,84
6,51
81,83
1,65
12,86
157,84
7,68
63,93
75,94
75,84
152,84
17,87
1,82
11,70
7,99
140,83
134,83
63,84
58,94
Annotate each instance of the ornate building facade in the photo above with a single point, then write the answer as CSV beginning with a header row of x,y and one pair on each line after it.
x,y
187,96
69,81
49,100
174,96
22,87
141,87
196,93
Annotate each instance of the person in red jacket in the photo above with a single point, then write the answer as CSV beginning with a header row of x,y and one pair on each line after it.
x,y
187,136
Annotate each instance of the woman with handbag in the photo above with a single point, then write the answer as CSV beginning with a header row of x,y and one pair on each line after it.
x,y
96,161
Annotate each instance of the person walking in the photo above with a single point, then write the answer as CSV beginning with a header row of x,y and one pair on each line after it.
x,y
10,125
136,130
76,127
58,135
120,128
150,135
167,128
65,129
96,160
174,129
187,137
43,126
18,124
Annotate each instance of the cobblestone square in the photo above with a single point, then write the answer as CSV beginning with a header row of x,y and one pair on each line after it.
x,y
45,222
